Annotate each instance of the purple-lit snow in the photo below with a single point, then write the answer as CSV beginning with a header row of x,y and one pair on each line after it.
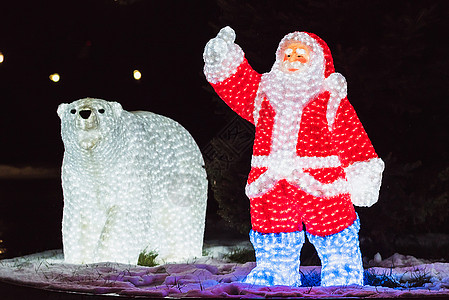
x,y
207,277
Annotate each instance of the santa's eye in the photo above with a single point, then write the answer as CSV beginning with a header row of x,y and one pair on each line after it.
x,y
101,111
73,111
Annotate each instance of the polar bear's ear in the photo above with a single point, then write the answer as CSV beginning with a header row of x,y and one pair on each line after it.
x,y
61,109
116,108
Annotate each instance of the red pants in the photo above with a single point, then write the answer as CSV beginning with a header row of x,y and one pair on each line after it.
x,y
285,208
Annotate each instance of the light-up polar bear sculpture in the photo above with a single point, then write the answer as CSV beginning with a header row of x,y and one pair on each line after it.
x,y
132,181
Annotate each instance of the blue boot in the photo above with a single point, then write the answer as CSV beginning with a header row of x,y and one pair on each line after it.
x,y
277,258
341,260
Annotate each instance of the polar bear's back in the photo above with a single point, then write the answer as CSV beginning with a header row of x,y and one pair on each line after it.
x,y
175,153
169,133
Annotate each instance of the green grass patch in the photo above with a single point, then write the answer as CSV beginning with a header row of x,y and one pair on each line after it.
x,y
147,259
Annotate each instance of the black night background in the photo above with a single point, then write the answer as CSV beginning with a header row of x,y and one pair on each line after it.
x,y
394,55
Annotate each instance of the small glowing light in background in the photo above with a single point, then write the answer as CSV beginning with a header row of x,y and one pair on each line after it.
x,y
2,57
54,77
2,250
137,75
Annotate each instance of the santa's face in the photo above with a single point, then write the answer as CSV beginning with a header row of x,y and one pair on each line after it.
x,y
297,74
296,57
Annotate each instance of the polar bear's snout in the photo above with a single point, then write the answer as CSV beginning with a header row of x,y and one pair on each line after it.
x,y
86,119
85,113
88,127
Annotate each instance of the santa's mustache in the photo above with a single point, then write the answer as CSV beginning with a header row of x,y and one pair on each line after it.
x,y
292,65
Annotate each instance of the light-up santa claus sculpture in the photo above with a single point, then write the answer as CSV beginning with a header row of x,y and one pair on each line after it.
x,y
312,159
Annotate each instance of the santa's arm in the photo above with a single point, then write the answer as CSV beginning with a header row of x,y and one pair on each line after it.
x,y
229,73
362,166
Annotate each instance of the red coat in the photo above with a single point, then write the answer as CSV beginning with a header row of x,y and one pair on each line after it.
x,y
309,184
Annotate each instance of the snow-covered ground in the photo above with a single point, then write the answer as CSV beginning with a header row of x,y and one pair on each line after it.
x,y
211,276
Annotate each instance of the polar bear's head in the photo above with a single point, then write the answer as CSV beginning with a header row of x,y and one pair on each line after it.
x,y
86,122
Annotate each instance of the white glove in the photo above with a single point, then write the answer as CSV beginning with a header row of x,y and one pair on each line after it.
x,y
217,48
336,85
222,56
364,180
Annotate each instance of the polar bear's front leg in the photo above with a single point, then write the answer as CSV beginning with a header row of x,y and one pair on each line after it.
x,y
80,224
71,235
107,244
80,235
89,221
121,236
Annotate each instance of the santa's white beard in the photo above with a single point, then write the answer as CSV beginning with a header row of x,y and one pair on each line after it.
x,y
299,87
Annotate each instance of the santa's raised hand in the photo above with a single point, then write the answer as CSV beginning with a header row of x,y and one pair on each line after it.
x,y
221,55
217,48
